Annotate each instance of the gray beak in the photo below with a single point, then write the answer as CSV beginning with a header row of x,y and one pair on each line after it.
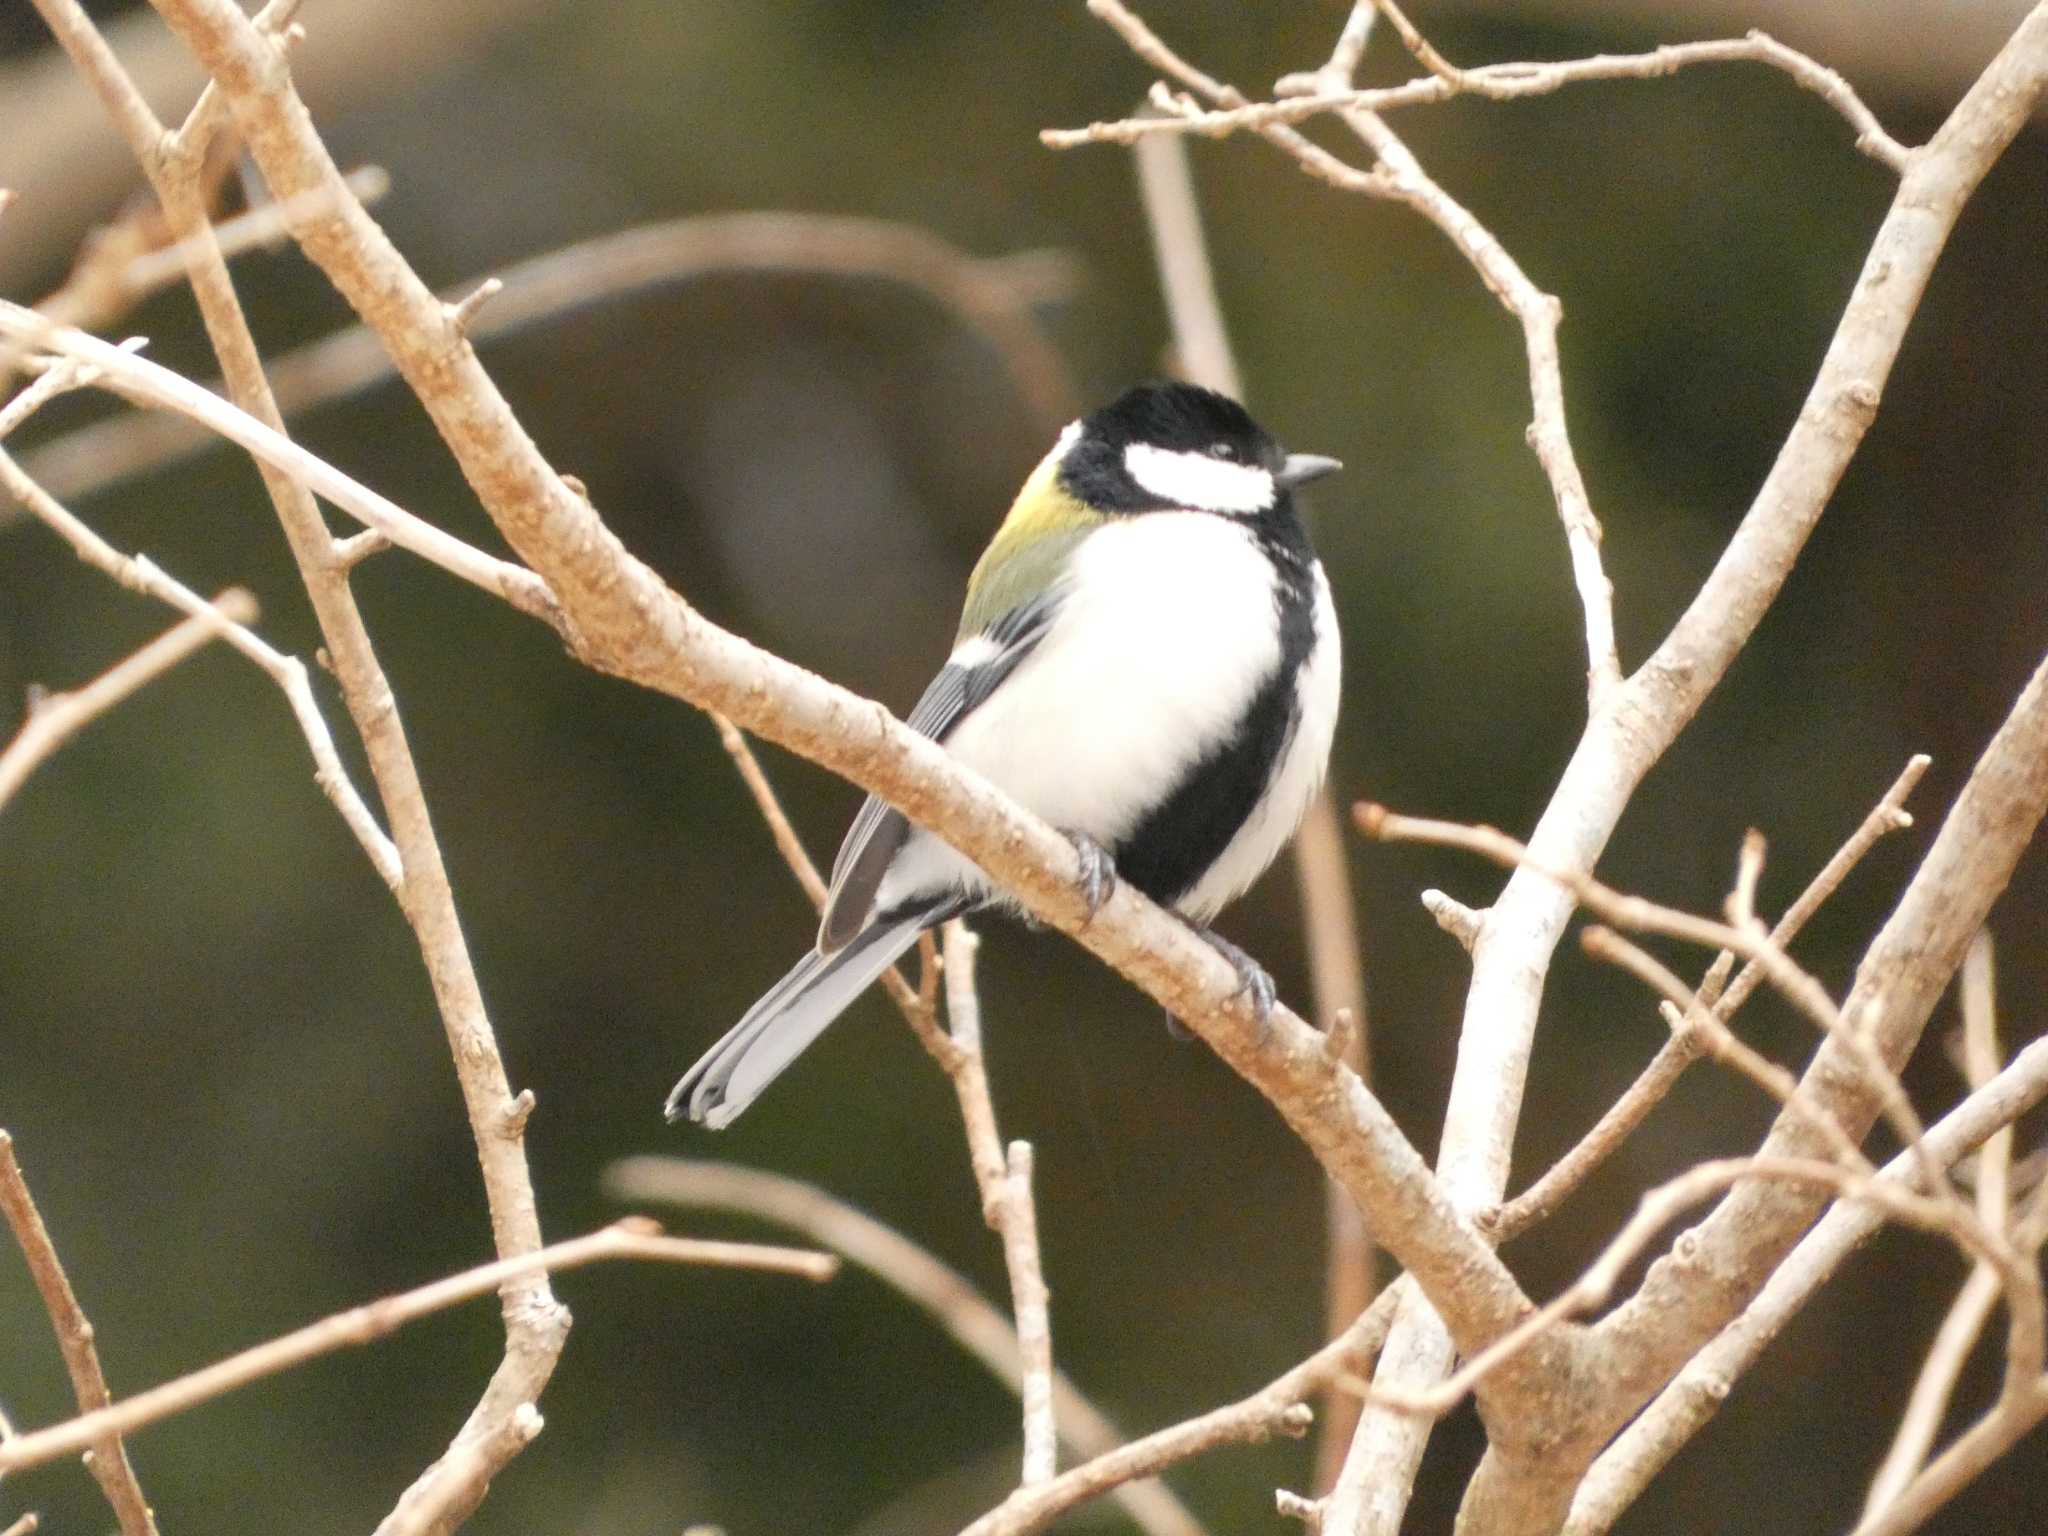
x,y
1301,468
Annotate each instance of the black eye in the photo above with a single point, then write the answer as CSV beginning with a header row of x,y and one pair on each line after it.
x,y
1223,450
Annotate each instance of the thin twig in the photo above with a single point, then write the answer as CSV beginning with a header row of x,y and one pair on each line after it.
x,y
1034,1318
968,1317
1006,1202
1454,917
1721,1044
108,1457
1657,1209
288,672
1959,1331
1636,912
54,718
1278,1408
138,379
126,262
27,1524
1505,82
632,1238
1627,1113
995,298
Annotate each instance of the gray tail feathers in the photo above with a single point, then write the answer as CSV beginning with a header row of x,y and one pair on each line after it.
x,y
779,1028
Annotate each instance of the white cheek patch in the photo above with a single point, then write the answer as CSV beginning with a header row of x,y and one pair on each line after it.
x,y
1198,482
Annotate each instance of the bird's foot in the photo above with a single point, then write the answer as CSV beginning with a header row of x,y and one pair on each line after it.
x,y
1098,871
1252,979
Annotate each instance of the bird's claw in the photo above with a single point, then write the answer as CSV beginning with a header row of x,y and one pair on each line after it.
x,y
1097,879
1252,978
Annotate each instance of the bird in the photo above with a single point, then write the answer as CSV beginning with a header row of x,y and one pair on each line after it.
x,y
1147,658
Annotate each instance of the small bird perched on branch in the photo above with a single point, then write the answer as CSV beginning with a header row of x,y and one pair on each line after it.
x,y
1148,659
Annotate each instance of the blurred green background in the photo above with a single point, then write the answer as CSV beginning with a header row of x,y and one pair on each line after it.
x,y
218,1056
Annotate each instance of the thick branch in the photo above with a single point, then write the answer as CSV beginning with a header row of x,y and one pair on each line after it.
x,y
1684,1406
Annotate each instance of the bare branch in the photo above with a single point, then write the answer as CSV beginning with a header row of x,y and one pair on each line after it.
x,y
1034,1322
1959,1330
107,1457
948,1296
1627,1113
1503,82
1692,1397
1635,912
1006,1203
1279,1408
138,379
288,672
994,296
632,1238
54,719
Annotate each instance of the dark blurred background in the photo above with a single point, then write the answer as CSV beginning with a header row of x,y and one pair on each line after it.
x,y
218,1055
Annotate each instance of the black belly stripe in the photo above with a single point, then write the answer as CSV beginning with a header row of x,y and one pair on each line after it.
x,y
1168,852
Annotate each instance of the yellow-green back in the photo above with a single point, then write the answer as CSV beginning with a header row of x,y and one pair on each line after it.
x,y
1030,549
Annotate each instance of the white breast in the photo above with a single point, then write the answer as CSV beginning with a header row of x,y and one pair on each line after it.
x,y
1167,631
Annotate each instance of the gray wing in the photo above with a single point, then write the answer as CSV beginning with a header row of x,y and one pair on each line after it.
x,y
879,832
